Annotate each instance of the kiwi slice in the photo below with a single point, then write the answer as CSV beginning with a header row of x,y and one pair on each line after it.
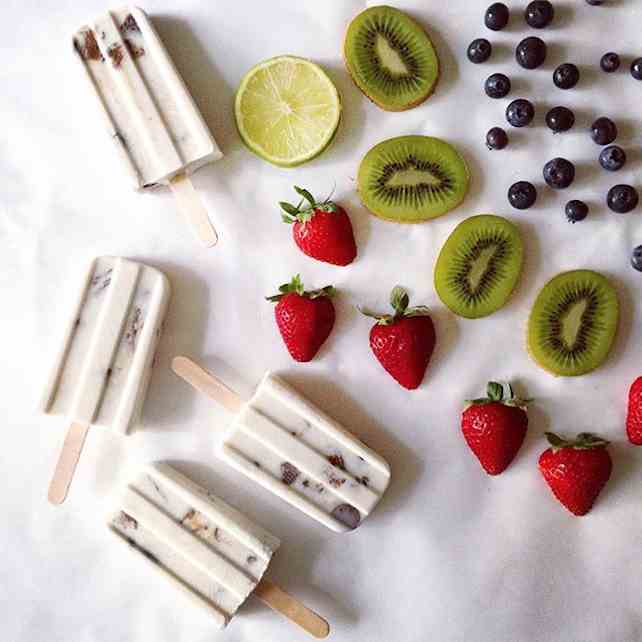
x,y
410,179
573,323
479,266
391,58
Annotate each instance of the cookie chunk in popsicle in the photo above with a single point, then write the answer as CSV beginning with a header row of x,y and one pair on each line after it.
x,y
101,373
290,447
211,551
147,109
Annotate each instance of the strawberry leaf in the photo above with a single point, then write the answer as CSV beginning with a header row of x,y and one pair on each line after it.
x,y
295,286
399,300
306,195
289,208
583,441
495,391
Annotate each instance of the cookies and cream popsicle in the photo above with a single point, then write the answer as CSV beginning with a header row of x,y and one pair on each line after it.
x,y
101,373
211,551
292,448
148,111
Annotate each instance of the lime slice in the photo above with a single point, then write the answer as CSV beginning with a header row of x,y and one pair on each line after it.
x,y
287,110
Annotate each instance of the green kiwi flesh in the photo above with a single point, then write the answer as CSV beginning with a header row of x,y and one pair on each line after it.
x,y
479,266
391,58
573,323
410,179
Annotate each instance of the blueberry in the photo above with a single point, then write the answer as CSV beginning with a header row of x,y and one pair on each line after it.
x,y
497,86
539,14
612,158
479,50
496,138
603,131
576,211
595,3
636,258
560,119
559,173
520,113
531,52
622,199
636,69
496,17
566,76
348,515
522,195
610,62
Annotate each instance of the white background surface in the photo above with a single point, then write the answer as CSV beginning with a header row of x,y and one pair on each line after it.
x,y
451,554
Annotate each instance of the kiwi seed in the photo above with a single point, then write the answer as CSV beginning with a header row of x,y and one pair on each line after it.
x,y
479,265
573,323
410,179
391,58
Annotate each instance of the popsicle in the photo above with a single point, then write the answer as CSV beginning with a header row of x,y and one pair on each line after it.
x,y
147,109
290,447
211,551
101,373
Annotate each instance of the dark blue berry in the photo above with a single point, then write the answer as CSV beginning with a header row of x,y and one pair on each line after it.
x,y
636,258
560,119
612,158
610,62
531,52
603,131
520,113
559,173
622,199
497,16
479,50
566,76
522,195
496,138
576,211
595,3
636,69
539,14
497,86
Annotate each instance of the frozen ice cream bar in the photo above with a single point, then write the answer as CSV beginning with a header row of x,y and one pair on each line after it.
x,y
147,109
209,550
101,374
290,447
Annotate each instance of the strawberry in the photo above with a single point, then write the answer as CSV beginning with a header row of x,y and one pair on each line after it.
x,y
305,319
634,415
576,470
321,230
403,342
494,427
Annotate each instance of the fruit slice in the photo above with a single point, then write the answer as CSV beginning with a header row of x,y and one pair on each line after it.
x,y
391,58
410,179
573,323
287,110
479,266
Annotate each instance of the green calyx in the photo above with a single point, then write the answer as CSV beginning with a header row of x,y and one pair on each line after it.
x,y
583,441
500,393
306,207
399,300
295,286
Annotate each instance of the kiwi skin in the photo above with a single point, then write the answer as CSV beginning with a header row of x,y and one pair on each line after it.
x,y
400,140
491,221
362,86
568,373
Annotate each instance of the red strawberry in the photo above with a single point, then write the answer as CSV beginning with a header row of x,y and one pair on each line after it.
x,y
576,470
494,427
321,230
305,319
634,416
403,342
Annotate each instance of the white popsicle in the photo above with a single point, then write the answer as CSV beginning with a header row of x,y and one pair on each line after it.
x,y
148,111
290,447
103,367
211,551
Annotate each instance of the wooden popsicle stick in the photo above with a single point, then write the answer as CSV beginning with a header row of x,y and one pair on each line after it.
x,y
277,599
190,203
206,383
67,460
